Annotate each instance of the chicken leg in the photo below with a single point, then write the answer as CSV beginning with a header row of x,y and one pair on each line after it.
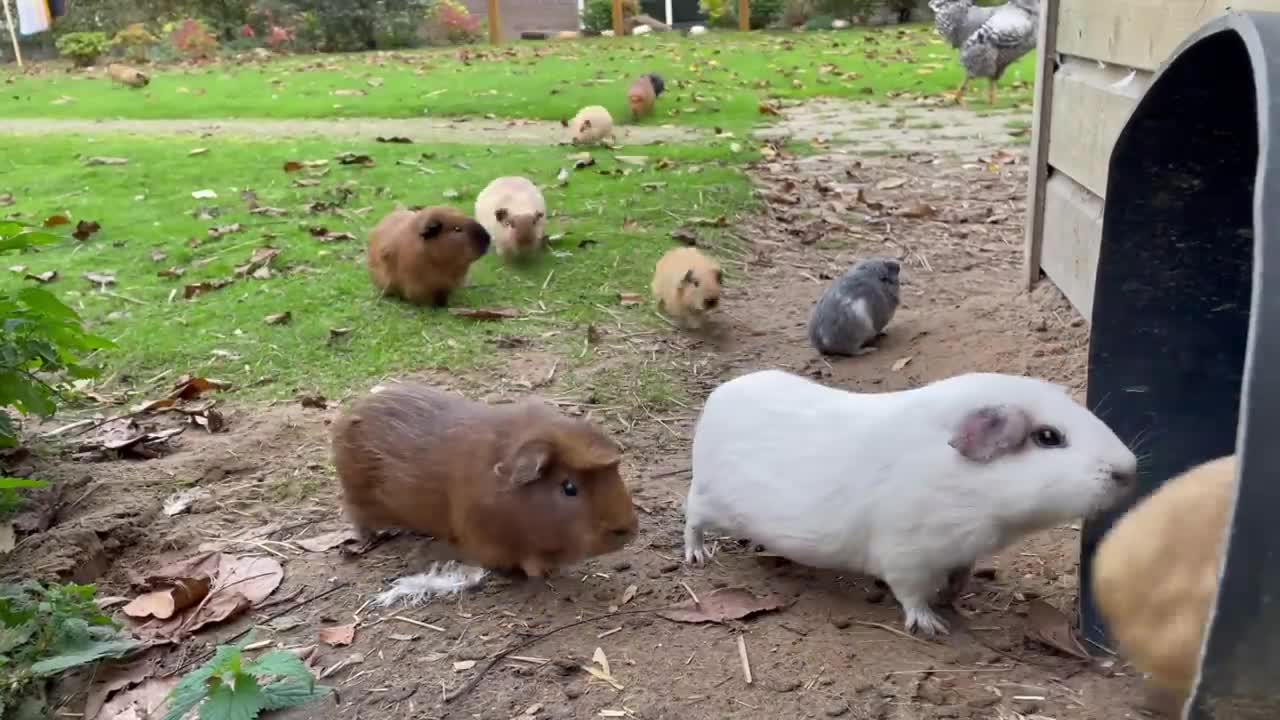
x,y
959,97
991,93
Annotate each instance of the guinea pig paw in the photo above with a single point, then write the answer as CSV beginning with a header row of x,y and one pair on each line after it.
x,y
926,622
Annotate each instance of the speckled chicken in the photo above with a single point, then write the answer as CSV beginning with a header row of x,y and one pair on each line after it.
x,y
989,38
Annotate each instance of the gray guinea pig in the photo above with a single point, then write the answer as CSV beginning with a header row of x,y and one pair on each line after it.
x,y
855,308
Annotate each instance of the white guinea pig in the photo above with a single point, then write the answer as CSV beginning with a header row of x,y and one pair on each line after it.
x,y
911,487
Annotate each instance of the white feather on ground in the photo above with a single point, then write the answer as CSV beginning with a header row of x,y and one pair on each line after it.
x,y
441,580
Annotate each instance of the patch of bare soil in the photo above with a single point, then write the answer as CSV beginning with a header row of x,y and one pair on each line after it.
x,y
834,650
931,126
459,130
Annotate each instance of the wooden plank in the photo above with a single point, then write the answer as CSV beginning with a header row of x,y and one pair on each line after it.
x,y
1090,108
1072,238
619,29
495,22
1041,126
1138,33
744,15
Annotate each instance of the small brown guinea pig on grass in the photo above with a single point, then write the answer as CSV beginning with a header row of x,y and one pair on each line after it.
x,y
422,256
686,286
509,487
1155,574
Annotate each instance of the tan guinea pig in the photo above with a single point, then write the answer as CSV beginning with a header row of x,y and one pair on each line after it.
x,y
686,285
1155,573
517,486
591,125
422,256
126,75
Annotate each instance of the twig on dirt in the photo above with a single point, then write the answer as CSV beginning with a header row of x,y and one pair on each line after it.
x,y
204,656
474,681
670,473
419,623
65,428
742,655
894,630
692,594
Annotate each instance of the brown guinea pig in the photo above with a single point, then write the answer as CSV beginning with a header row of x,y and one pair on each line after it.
x,y
1155,573
517,486
640,98
686,285
422,256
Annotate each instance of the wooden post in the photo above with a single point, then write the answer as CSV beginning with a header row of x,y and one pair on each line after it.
x,y
1047,52
13,32
744,15
495,22
619,28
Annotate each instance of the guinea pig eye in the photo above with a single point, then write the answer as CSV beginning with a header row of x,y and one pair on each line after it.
x,y
569,488
1047,437
457,228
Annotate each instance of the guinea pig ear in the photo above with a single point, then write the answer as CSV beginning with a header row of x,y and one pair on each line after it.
x,y
688,279
990,432
719,277
586,124
501,214
526,464
432,228
538,216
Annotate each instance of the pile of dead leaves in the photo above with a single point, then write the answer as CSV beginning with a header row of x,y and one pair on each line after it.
x,y
131,436
210,588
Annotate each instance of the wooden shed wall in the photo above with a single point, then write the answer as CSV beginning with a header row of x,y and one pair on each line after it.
x,y
1107,52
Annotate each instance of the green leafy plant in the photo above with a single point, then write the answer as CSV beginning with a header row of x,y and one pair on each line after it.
x,y
10,500
84,48
45,630
597,15
40,338
136,41
229,687
762,13
717,11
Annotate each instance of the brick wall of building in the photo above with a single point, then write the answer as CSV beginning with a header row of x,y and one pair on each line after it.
x,y
521,15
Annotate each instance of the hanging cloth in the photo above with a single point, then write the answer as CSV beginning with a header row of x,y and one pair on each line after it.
x,y
57,8
33,16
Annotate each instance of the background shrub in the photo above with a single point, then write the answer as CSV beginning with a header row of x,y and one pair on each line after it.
x,y
83,48
597,15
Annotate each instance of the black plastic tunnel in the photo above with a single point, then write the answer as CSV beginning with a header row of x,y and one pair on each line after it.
x,y
1184,352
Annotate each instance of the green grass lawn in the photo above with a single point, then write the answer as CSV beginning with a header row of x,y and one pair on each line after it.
x,y
716,80
615,219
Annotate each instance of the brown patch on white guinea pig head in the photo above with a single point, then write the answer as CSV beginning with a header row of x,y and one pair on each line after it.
x,y
1155,573
567,500
421,256
525,228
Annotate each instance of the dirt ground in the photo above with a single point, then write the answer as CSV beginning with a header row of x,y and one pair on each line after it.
x,y
833,651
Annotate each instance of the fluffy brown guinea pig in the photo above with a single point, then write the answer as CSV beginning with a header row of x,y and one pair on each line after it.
x,y
518,486
686,285
1155,573
422,256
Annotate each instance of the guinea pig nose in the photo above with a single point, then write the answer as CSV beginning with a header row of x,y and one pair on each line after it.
x,y
712,302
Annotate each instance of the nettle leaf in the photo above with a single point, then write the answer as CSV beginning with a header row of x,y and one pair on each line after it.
x,y
280,663
13,636
242,701
11,483
15,238
89,653
292,693
47,303
8,432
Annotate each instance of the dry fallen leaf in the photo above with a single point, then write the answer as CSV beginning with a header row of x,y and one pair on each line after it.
x,y
901,363
217,232
162,604
147,700
235,585
628,299
198,151
200,288
107,161
100,279
485,313
328,541
85,229
628,595
204,195
180,501
599,658
292,166
918,210
112,677
733,603
323,235
8,537
56,220
394,139
767,109
462,665
47,276
891,183
283,318
1048,625
631,159
338,635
